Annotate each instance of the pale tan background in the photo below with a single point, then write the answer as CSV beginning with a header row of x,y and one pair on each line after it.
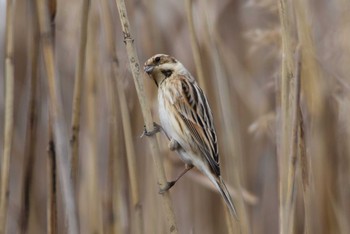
x,y
249,39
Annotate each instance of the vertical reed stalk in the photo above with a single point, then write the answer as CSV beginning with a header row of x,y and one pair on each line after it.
x,y
51,184
9,114
233,139
131,157
294,102
115,175
30,145
90,161
195,46
117,85
79,72
311,85
116,136
284,154
305,177
136,72
58,123
232,122
327,212
345,23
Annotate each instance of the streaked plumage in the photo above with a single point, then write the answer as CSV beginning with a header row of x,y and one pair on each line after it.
x,y
187,119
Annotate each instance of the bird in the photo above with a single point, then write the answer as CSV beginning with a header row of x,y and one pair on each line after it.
x,y
187,120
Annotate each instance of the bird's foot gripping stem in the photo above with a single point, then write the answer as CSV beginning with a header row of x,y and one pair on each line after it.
x,y
170,184
156,128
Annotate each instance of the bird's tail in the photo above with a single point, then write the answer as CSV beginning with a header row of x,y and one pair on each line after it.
x,y
226,195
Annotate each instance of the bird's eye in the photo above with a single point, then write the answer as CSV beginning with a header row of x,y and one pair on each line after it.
x,y
167,73
157,59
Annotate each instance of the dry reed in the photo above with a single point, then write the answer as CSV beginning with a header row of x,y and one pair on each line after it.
x,y
79,72
282,120
136,71
31,139
91,185
9,115
195,46
116,162
59,131
51,183
116,85
285,164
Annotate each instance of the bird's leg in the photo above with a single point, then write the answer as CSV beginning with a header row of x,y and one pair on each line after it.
x,y
156,128
172,183
173,145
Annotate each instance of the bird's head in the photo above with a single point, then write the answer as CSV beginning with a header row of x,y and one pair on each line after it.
x,y
162,66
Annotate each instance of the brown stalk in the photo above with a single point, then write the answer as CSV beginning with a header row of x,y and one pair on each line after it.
x,y
9,112
294,102
344,176
345,19
131,156
136,72
115,135
30,145
115,175
305,177
51,184
91,187
286,86
327,215
117,86
195,46
79,72
58,123
229,119
233,138
304,164
115,158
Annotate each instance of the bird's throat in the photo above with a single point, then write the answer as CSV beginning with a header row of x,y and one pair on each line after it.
x,y
158,81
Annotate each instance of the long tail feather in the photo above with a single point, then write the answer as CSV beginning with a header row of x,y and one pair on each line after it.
x,y
227,197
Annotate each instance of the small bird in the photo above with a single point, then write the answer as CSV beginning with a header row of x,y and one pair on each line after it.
x,y
187,121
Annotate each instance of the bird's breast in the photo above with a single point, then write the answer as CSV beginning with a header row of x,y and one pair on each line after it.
x,y
168,114
164,115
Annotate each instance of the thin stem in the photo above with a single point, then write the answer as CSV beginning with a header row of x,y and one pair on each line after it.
x,y
91,185
117,86
231,120
9,112
30,145
51,184
293,151
79,72
195,45
58,123
136,72
305,177
131,156
116,157
326,216
286,77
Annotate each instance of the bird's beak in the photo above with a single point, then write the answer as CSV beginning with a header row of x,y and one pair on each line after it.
x,y
148,69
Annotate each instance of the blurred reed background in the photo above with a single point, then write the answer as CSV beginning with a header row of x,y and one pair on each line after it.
x,y
275,73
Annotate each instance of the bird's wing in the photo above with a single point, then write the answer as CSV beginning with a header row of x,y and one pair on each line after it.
x,y
193,109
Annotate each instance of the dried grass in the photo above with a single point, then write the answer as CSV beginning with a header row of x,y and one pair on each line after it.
x,y
276,77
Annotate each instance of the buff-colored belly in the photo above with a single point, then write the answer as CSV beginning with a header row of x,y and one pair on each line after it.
x,y
172,129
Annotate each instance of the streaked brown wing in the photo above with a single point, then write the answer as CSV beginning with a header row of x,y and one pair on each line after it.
x,y
194,110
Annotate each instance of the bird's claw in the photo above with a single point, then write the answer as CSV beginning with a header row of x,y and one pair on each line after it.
x,y
156,128
167,187
173,145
